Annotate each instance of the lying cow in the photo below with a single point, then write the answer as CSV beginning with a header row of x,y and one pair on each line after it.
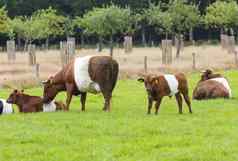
x,y
212,86
92,74
166,85
5,108
29,104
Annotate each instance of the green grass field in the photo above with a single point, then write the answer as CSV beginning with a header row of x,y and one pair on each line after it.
x,y
127,133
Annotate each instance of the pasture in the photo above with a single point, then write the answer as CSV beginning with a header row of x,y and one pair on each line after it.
x,y
127,133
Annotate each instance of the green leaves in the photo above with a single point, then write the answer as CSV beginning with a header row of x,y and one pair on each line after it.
x,y
222,14
106,21
4,26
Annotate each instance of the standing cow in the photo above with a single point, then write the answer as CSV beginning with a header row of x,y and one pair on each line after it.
x,y
166,85
92,74
212,86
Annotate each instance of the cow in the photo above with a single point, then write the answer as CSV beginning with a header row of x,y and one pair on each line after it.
x,y
5,108
211,86
30,104
158,86
93,74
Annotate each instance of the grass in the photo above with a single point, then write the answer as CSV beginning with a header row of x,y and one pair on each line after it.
x,y
127,133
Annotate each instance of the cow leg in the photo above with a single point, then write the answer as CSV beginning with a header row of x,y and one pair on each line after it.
x,y
83,100
180,102
69,89
150,103
157,105
187,100
107,104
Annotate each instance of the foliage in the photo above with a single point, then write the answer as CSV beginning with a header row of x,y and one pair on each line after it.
x,y
4,27
222,14
106,21
183,16
52,22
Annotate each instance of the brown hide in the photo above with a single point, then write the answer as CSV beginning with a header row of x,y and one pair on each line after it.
x,y
210,89
157,87
28,104
102,69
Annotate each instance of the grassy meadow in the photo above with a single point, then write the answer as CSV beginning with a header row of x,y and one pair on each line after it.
x,y
127,133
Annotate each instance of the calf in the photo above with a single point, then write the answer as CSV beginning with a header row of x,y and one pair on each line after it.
x,y
212,86
27,103
166,85
5,108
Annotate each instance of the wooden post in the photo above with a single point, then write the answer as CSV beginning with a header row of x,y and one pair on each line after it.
x,y
231,48
32,54
63,53
128,44
70,49
36,70
236,58
167,56
145,64
11,54
194,61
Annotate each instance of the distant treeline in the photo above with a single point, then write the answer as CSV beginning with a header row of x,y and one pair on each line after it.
x,y
108,21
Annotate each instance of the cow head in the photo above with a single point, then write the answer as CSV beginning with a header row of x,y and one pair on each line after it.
x,y
49,90
14,96
149,81
205,74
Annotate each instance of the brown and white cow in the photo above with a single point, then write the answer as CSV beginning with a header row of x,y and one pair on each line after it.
x,y
158,86
92,74
29,104
212,86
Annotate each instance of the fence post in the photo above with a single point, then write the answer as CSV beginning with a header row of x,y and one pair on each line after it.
x,y
236,58
32,54
167,56
36,70
11,54
63,53
194,61
70,48
128,44
145,64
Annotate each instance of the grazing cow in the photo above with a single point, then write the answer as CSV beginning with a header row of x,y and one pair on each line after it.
x,y
166,85
29,104
212,86
92,74
5,108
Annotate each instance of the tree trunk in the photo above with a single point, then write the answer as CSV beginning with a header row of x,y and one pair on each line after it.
x,y
18,43
143,37
191,35
47,44
82,40
25,46
179,45
111,46
100,44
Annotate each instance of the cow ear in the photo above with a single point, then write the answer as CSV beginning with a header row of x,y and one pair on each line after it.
x,y
141,79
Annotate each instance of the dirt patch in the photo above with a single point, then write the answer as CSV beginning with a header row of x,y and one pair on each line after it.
x,y
131,65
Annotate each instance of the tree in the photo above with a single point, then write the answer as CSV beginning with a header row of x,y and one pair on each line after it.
x,y
54,24
106,22
222,15
4,19
184,17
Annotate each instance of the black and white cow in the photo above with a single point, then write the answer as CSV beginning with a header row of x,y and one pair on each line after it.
x,y
5,108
